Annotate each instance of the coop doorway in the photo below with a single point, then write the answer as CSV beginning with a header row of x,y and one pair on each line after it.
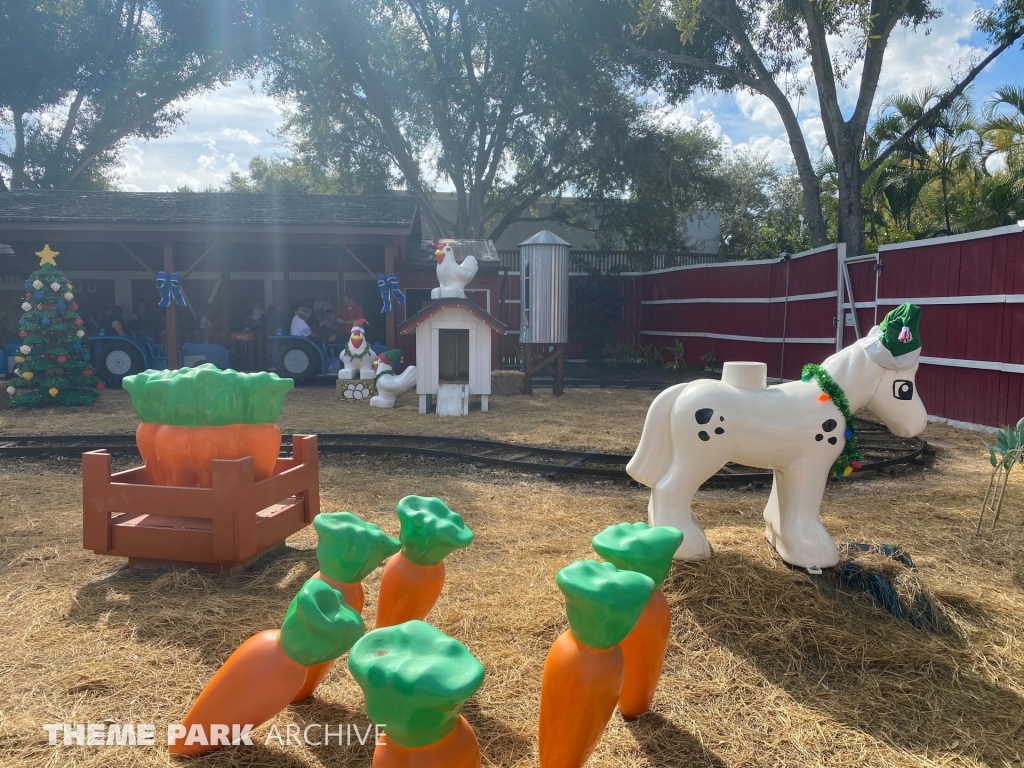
x,y
453,354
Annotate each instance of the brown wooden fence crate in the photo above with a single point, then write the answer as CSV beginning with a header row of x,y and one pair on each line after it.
x,y
126,515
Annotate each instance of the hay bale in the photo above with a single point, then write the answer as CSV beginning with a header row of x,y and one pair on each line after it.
x,y
508,383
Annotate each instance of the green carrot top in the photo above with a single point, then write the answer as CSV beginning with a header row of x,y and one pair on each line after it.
x,y
429,530
348,548
602,602
206,396
639,547
318,626
415,679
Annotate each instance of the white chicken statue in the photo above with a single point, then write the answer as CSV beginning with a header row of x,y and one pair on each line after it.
x,y
452,276
357,355
389,386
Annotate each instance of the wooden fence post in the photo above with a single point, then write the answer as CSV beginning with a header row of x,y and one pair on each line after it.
x,y
96,531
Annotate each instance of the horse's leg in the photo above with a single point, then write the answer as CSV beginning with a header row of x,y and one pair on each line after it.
x,y
670,505
772,521
801,537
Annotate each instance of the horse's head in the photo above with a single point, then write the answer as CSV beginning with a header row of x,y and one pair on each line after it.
x,y
895,346
897,403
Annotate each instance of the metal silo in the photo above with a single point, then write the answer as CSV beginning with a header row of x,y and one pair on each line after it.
x,y
544,289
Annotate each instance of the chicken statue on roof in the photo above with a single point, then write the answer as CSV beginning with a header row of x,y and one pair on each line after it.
x,y
357,356
452,276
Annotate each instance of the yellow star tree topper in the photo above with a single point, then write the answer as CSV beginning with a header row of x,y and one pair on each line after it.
x,y
46,256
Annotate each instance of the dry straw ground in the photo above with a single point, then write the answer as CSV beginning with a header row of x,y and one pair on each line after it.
x,y
765,667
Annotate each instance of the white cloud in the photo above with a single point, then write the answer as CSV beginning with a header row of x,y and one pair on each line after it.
x,y
758,108
223,130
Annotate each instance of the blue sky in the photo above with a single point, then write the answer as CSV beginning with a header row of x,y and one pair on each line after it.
x,y
227,127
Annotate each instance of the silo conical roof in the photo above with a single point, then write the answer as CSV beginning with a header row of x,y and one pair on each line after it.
x,y
544,237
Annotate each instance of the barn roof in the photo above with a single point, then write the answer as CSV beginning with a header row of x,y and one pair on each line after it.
x,y
433,308
40,206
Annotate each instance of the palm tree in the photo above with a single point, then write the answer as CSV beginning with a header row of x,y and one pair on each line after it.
x,y
896,114
1004,131
955,148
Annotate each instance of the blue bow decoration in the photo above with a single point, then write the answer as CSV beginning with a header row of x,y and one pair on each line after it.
x,y
176,294
388,287
163,289
169,288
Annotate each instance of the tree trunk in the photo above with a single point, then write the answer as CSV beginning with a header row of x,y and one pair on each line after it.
x,y
851,217
18,169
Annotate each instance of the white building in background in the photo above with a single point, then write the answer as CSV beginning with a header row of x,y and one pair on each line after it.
x,y
703,230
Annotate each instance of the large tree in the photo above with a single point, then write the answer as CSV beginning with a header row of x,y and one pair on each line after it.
x,y
505,100
79,77
759,45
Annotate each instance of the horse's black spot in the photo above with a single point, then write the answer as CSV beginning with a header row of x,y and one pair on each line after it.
x,y
829,425
819,438
721,418
703,435
831,441
704,415
719,431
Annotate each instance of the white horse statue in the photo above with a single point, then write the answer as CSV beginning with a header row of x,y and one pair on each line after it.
x,y
802,430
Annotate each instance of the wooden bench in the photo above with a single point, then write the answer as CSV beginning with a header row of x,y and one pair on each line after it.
x,y
222,527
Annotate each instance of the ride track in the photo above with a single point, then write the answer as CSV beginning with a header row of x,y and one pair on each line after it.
x,y
881,450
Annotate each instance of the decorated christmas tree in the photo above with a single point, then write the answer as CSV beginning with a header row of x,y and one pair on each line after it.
x,y
52,364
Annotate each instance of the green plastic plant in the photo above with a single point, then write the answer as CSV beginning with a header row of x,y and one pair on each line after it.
x,y
650,354
429,530
206,396
678,357
639,547
602,603
1008,450
318,626
349,548
415,679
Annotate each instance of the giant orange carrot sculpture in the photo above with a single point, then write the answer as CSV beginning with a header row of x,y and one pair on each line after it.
x,y
263,675
415,680
347,550
638,547
584,668
413,579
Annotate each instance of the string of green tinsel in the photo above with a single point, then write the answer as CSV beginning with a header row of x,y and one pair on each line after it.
x,y
851,455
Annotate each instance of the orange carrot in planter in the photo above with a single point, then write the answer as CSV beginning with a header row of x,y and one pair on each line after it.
x,y
347,550
583,671
641,548
415,680
262,676
413,579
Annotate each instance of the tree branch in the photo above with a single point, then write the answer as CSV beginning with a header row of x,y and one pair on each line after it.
x,y
872,69
940,105
693,61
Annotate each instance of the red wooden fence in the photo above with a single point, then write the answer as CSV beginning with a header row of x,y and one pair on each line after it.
x,y
971,292
788,311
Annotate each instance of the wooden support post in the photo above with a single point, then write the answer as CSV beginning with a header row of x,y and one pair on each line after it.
x,y
390,253
172,320
225,298
535,361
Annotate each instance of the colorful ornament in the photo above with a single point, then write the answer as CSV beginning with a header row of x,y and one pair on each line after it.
x,y
52,391
61,305
87,372
46,321
61,359
37,284
69,295
22,334
27,375
76,346
19,359
24,349
47,256
851,452
80,334
54,287
38,294
79,321
74,305
100,386
26,307
11,390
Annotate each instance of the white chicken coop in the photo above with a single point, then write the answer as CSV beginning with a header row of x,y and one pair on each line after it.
x,y
453,346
